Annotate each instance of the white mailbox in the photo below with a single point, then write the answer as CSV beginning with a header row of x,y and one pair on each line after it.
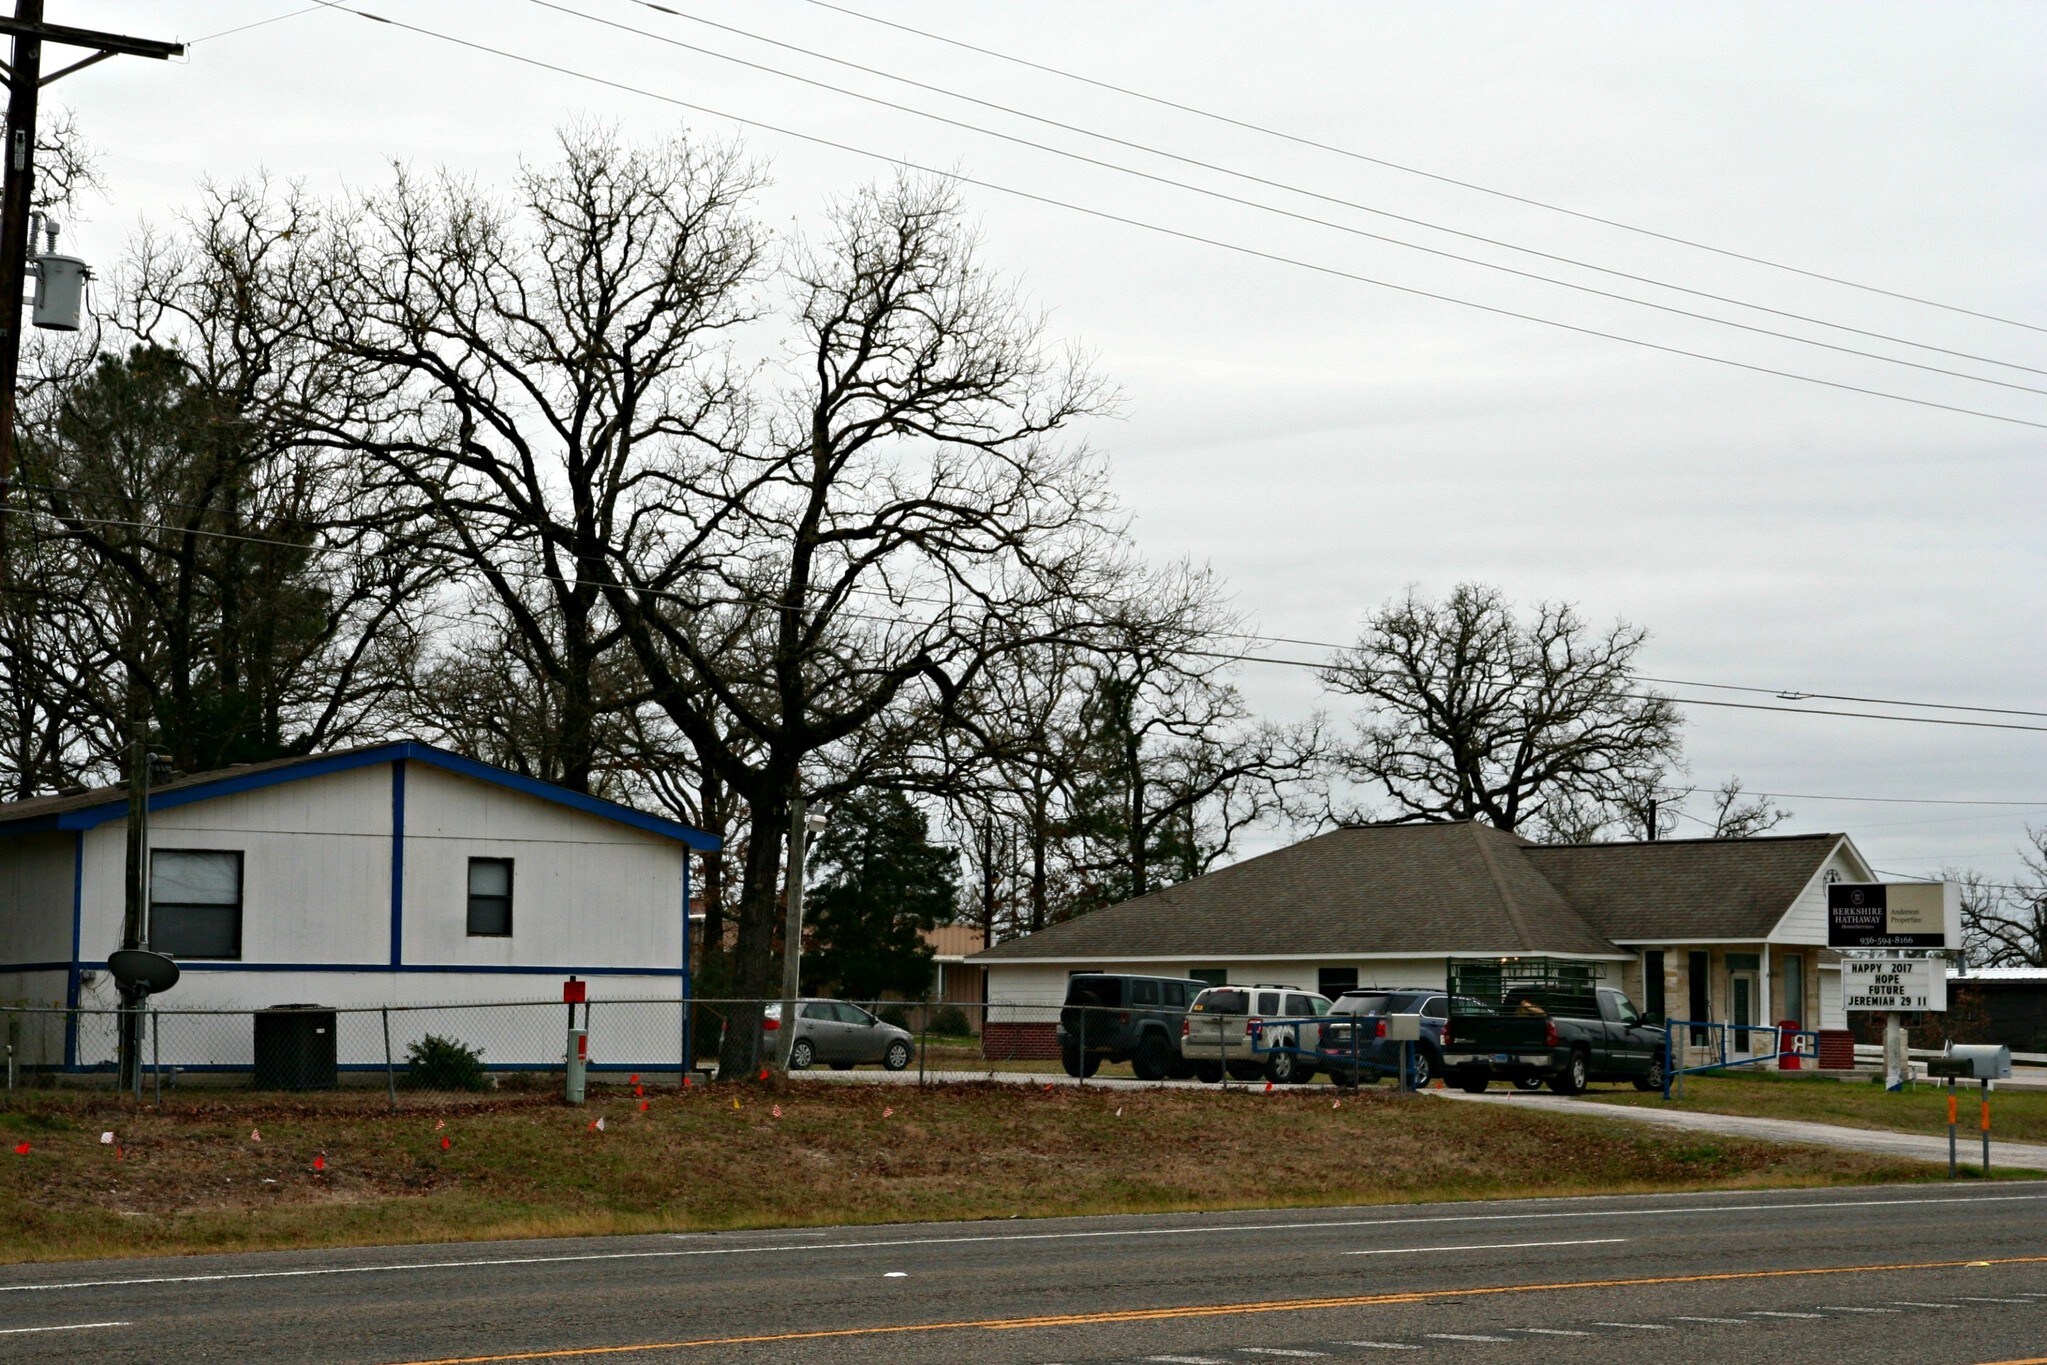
x,y
1987,1061
1403,1028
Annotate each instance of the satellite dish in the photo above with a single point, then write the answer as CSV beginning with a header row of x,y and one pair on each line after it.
x,y
141,969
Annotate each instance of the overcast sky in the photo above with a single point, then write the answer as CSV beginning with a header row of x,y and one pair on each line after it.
x,y
1324,442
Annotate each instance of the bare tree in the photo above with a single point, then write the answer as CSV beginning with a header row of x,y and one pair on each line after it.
x,y
1171,765
1735,818
543,373
1475,713
2005,924
899,508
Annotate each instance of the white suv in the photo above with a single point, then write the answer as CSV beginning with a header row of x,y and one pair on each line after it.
x,y
1217,1035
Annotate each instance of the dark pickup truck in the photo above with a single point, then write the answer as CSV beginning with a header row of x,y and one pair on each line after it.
x,y
1568,1039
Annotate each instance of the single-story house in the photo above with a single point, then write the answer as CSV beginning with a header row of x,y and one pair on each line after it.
x,y
1719,930
956,981
1993,1005
390,874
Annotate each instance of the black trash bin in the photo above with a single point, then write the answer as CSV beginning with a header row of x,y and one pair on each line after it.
x,y
295,1048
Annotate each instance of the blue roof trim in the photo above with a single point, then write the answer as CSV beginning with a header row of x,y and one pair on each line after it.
x,y
320,765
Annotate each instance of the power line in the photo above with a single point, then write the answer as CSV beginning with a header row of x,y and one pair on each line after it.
x,y
1417,171
1241,175
1902,800
1233,656
260,23
1289,213
1177,233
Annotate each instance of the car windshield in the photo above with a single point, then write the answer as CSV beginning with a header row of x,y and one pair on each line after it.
x,y
1222,1002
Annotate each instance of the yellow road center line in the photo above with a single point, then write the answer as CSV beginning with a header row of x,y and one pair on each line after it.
x,y
1218,1310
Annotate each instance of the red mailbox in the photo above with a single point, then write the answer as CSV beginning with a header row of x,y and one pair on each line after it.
x,y
575,992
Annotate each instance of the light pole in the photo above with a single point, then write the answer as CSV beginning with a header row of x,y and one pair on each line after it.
x,y
801,825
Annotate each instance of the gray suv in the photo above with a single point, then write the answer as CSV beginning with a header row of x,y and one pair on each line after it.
x,y
1116,1018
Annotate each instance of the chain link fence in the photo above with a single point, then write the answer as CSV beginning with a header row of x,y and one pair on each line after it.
x,y
522,1044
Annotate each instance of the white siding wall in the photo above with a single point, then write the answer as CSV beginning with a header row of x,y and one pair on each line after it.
x,y
1038,986
1832,1015
35,899
585,890
316,870
1806,921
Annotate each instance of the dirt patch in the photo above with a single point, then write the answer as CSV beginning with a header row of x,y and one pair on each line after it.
x,y
235,1171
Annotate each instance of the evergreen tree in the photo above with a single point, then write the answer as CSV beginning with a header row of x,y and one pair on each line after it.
x,y
884,883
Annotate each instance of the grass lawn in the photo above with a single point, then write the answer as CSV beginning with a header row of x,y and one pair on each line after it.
x,y
2020,1115
194,1176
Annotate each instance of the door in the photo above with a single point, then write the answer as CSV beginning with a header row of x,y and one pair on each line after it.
x,y
1610,1048
1306,1036
861,1033
1741,988
1634,1046
1793,994
821,1026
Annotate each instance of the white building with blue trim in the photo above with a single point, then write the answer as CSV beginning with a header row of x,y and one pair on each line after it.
x,y
391,874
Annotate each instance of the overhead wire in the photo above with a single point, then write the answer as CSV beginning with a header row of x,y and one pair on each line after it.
x,y
1405,169
1161,229
1259,637
1234,656
1259,180
260,23
1306,217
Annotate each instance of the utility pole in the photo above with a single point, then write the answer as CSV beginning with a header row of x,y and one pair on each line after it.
x,y
801,826
25,79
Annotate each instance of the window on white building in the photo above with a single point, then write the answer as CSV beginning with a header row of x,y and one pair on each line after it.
x,y
490,897
195,902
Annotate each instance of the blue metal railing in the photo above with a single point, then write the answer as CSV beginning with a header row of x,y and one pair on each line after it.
x,y
1805,1045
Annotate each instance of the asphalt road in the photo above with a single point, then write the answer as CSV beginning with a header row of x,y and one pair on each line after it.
x,y
1925,1274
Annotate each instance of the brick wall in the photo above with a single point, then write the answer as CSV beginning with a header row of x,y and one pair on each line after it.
x,y
1020,1041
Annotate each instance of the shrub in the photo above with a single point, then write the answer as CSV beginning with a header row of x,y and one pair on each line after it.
x,y
951,1020
437,1063
894,1014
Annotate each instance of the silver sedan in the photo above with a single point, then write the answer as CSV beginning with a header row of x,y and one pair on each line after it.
x,y
843,1036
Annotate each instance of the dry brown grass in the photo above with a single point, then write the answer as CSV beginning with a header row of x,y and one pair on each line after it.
x,y
189,1177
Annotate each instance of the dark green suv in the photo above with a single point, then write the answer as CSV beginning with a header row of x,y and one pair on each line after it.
x,y
1135,1019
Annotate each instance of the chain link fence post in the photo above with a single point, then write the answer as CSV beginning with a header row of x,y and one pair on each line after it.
x,y
156,1053
390,1073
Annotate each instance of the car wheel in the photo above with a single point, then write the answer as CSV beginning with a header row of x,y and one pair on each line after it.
x,y
1652,1081
1528,1082
801,1054
1078,1064
897,1057
1420,1068
1575,1076
1345,1080
1471,1082
1280,1068
1209,1072
1153,1058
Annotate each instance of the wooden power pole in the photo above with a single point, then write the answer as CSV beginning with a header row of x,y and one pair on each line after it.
x,y
25,80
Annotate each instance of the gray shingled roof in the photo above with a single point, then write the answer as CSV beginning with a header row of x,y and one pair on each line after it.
x,y
1684,888
1398,889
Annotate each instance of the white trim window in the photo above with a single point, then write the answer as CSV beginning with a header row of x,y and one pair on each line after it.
x,y
195,903
490,897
